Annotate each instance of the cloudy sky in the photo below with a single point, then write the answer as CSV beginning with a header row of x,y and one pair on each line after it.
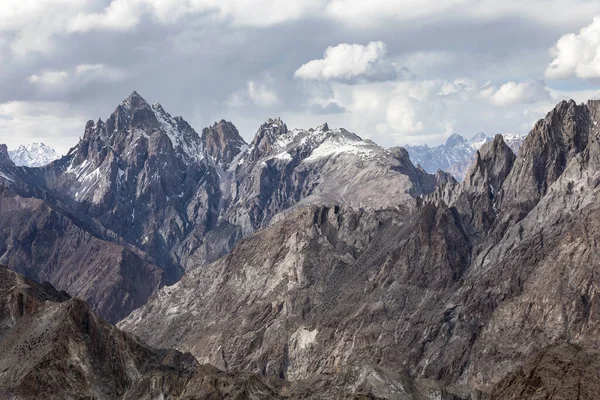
x,y
395,71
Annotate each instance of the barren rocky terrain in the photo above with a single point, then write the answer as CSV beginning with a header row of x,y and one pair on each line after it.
x,y
305,264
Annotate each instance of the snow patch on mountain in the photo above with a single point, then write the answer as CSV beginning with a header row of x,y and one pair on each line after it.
x,y
341,141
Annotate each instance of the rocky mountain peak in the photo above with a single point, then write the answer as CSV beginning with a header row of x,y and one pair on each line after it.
x,y
323,128
135,125
454,140
266,136
4,156
134,102
222,143
492,165
545,153
478,137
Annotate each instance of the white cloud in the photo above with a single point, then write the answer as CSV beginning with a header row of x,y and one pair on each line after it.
x,y
360,13
126,14
427,60
512,93
99,72
363,12
257,92
262,94
577,55
344,61
78,76
118,15
402,115
34,26
49,78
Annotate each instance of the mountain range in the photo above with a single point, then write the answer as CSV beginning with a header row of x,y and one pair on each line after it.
x,y
143,196
457,154
33,155
304,264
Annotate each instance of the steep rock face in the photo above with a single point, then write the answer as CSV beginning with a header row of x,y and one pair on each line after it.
x,y
531,280
142,176
554,141
479,277
558,372
322,281
46,244
4,156
222,143
476,199
55,347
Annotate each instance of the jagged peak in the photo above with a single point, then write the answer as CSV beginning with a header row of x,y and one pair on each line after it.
x,y
494,161
134,101
224,129
478,137
222,142
323,128
159,108
276,124
559,110
4,157
454,140
270,130
593,104
222,122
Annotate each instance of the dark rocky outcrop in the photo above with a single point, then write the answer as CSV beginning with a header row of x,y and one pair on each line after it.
x,y
558,372
4,156
46,244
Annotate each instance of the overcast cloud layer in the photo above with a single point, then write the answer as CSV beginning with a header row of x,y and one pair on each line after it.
x,y
398,72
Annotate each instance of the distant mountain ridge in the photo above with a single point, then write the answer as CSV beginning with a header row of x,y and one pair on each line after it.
x,y
457,153
33,155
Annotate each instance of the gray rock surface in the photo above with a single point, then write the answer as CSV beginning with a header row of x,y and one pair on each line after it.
x,y
55,347
222,143
459,289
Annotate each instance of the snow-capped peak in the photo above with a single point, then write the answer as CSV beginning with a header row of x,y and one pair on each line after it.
x,y
479,140
33,155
